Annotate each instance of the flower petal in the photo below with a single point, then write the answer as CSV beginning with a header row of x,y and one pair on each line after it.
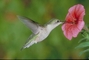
x,y
80,11
74,21
77,28
66,31
75,31
80,25
77,11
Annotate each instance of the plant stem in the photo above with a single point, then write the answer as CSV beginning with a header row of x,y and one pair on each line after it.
x,y
86,28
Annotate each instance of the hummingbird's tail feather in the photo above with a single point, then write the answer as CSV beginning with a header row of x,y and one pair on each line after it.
x,y
32,40
30,43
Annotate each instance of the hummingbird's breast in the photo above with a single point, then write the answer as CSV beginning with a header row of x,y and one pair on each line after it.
x,y
43,34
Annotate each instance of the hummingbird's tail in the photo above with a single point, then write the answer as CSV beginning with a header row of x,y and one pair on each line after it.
x,y
30,43
31,40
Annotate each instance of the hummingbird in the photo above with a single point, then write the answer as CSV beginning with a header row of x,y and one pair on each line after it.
x,y
39,32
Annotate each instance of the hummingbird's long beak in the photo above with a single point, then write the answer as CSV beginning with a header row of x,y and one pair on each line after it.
x,y
62,22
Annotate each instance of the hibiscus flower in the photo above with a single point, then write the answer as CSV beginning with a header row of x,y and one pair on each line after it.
x,y
74,21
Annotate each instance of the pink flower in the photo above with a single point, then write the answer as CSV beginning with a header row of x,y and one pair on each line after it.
x,y
74,21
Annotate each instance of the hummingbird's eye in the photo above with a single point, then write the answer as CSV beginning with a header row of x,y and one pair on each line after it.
x,y
57,20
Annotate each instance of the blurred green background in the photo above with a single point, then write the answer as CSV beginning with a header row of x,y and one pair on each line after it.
x,y
13,33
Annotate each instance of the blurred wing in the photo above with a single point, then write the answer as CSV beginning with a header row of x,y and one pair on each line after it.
x,y
31,40
30,23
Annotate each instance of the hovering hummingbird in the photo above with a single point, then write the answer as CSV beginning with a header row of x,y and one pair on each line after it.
x,y
40,32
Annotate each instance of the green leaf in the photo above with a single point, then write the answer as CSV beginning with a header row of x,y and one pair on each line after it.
x,y
81,40
82,45
82,52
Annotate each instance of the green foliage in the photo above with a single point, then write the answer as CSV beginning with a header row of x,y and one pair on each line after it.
x,y
84,43
84,51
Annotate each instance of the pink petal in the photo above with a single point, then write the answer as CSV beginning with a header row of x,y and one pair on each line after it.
x,y
74,21
69,17
80,25
82,15
75,31
80,11
77,11
72,9
70,14
67,33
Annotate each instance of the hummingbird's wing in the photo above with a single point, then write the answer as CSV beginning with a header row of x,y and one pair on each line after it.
x,y
34,26
30,41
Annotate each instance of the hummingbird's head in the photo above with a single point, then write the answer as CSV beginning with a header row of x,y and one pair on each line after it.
x,y
54,23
